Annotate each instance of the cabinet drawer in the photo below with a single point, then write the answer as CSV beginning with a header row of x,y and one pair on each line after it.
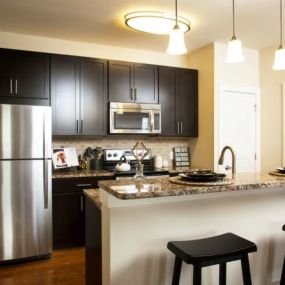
x,y
75,185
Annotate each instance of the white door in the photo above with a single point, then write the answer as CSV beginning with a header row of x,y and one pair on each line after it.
x,y
238,127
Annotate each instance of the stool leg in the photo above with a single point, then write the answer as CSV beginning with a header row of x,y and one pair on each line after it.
x,y
223,274
176,271
197,279
245,270
282,281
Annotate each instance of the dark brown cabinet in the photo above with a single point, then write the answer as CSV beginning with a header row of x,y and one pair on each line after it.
x,y
79,95
68,220
178,96
24,76
133,82
68,213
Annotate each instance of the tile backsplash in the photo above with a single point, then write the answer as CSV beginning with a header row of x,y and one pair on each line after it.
x,y
159,146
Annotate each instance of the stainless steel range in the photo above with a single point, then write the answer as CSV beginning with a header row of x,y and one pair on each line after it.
x,y
113,156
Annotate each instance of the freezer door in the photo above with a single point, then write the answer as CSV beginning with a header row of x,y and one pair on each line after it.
x,y
25,132
25,209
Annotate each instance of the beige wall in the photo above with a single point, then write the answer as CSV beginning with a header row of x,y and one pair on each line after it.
x,y
203,147
239,75
50,45
271,110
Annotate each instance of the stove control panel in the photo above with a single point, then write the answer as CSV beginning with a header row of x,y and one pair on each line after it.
x,y
116,154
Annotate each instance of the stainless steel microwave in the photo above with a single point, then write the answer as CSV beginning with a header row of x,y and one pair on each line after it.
x,y
132,118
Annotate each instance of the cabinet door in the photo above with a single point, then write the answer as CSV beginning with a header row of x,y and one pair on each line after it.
x,y
6,88
187,102
145,83
93,97
68,220
65,94
31,75
120,82
167,93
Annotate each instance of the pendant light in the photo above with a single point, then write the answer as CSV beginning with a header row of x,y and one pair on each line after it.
x,y
176,45
234,45
279,60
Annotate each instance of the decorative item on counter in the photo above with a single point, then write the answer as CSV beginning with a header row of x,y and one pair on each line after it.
x,y
165,163
139,151
82,163
181,157
158,161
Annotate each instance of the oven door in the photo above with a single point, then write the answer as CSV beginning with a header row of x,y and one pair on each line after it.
x,y
131,121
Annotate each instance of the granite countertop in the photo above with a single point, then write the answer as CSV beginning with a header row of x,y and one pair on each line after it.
x,y
162,187
81,173
94,196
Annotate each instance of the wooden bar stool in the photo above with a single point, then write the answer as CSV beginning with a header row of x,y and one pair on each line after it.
x,y
211,251
282,281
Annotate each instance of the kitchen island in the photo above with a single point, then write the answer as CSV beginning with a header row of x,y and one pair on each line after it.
x,y
140,217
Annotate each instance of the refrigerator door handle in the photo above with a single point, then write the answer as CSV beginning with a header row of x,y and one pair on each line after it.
x,y
46,184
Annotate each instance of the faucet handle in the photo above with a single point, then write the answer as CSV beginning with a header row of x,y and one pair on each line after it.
x,y
227,167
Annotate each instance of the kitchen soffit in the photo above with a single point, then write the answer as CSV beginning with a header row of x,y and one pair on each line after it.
x,y
103,21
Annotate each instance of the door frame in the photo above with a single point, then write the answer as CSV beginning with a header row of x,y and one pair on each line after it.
x,y
238,89
283,122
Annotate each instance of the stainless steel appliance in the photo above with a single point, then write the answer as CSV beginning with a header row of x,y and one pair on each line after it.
x,y
113,156
131,118
25,182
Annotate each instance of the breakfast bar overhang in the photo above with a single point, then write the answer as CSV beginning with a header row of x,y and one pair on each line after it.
x,y
139,217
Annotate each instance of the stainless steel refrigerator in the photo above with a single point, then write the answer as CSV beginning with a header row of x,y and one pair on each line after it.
x,y
25,182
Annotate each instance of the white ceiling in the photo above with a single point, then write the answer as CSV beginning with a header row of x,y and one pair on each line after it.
x,y
99,21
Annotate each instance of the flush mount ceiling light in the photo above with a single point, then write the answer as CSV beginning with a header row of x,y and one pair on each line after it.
x,y
176,45
234,45
279,60
155,22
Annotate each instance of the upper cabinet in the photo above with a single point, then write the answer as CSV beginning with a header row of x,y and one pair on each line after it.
x,y
178,96
79,95
133,82
24,76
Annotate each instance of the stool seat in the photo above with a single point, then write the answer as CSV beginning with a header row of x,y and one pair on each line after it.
x,y
226,246
211,251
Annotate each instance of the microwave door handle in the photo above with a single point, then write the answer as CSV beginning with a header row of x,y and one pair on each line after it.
x,y
151,122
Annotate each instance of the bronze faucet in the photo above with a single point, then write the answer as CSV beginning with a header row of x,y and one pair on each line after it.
x,y
221,159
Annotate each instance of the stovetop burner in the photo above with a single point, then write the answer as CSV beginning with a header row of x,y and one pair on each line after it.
x,y
148,171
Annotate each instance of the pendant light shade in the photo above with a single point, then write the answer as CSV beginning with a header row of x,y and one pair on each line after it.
x,y
279,59
176,45
235,53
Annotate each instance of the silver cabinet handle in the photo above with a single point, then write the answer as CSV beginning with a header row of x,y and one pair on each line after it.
x,y
135,97
81,203
77,126
16,86
81,127
84,185
181,128
131,94
11,86
177,127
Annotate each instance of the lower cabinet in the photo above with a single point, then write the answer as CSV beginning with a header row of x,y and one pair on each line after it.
x,y
68,220
68,214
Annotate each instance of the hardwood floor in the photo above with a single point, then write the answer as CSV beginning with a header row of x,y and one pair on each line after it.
x,y
66,267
